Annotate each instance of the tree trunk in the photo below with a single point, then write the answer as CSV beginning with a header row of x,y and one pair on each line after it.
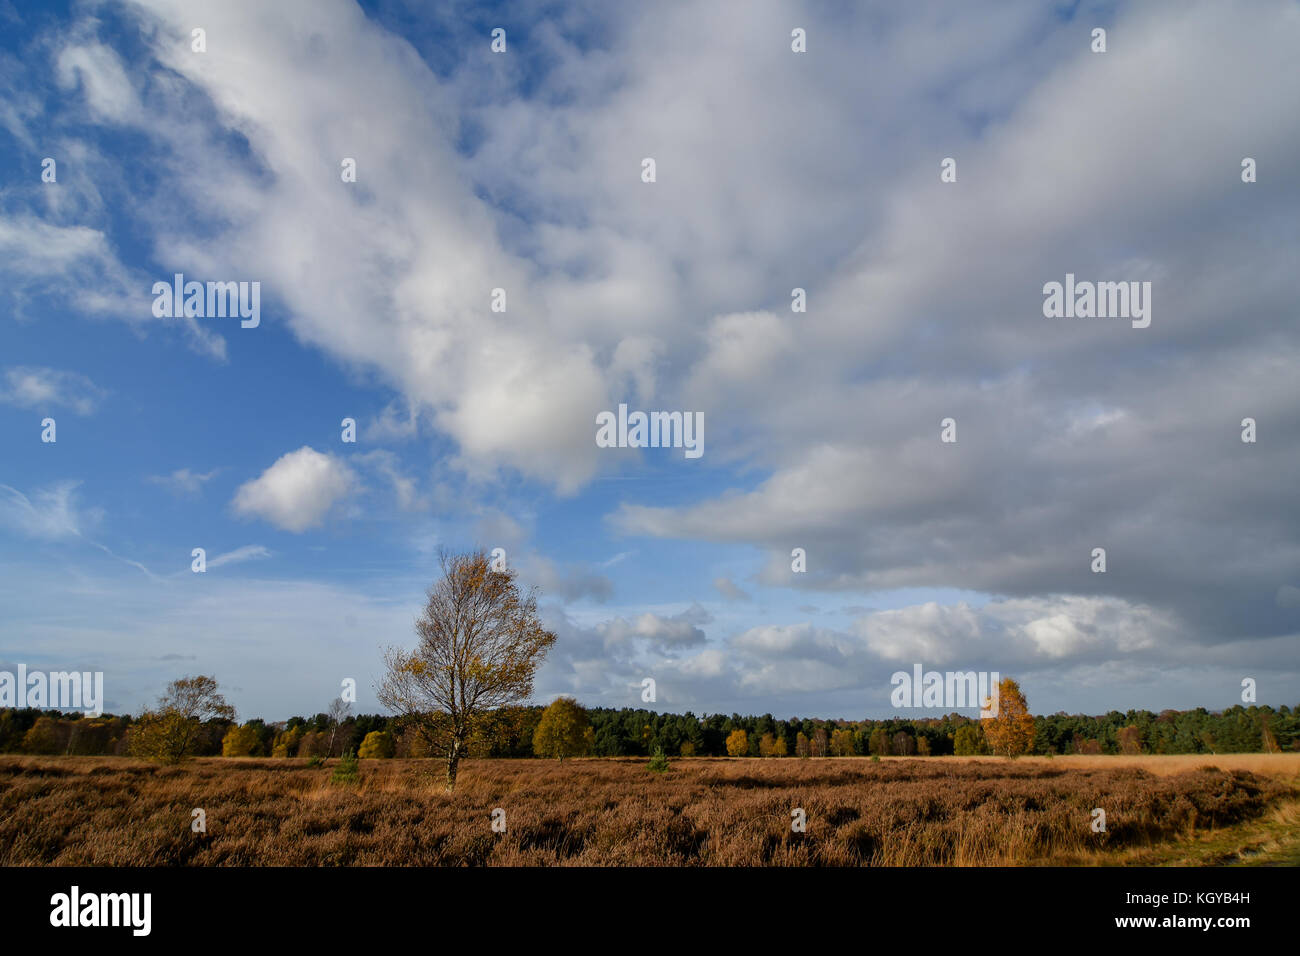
x,y
453,763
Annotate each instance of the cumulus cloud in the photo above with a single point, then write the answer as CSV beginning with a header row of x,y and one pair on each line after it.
x,y
1048,642
297,491
937,314
607,659
779,171
571,582
662,633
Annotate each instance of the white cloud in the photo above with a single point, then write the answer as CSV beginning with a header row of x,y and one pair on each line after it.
x,y
51,514
183,481
99,72
572,582
664,634
248,552
404,487
297,492
49,388
923,298
394,423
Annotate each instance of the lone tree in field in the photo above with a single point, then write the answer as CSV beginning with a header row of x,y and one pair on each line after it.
x,y
1012,731
480,643
171,731
337,713
563,731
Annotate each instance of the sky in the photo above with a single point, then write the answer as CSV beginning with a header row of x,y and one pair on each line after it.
x,y
821,170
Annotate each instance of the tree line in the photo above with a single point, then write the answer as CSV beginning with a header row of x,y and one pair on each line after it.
x,y
627,732
461,691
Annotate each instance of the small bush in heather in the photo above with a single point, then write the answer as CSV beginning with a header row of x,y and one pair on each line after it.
x,y
659,761
346,771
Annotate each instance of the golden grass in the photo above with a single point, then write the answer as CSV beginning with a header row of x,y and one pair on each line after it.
x,y
704,811
1282,766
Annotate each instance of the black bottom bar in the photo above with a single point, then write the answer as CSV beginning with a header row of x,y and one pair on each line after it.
x,y
564,904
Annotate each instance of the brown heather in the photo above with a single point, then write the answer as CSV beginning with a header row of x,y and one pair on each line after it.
x,y
106,811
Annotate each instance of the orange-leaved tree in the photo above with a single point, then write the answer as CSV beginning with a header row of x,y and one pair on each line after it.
x,y
738,743
1012,731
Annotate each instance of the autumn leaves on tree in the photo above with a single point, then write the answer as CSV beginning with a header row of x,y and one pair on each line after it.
x,y
563,731
1011,732
170,732
480,644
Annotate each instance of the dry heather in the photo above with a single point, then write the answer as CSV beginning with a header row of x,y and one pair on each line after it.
x,y
714,812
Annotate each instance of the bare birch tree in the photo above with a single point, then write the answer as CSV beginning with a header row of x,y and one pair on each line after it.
x,y
337,713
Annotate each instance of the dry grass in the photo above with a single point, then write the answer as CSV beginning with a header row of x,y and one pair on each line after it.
x,y
1283,766
705,811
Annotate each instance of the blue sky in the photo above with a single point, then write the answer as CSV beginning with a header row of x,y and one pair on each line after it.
x,y
775,170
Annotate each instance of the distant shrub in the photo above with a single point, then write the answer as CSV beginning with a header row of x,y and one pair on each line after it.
x,y
286,742
563,731
313,744
347,769
659,761
241,742
903,744
377,745
173,730
969,741
42,738
842,743
878,742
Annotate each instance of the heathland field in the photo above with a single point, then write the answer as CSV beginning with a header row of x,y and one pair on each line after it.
x,y
701,812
